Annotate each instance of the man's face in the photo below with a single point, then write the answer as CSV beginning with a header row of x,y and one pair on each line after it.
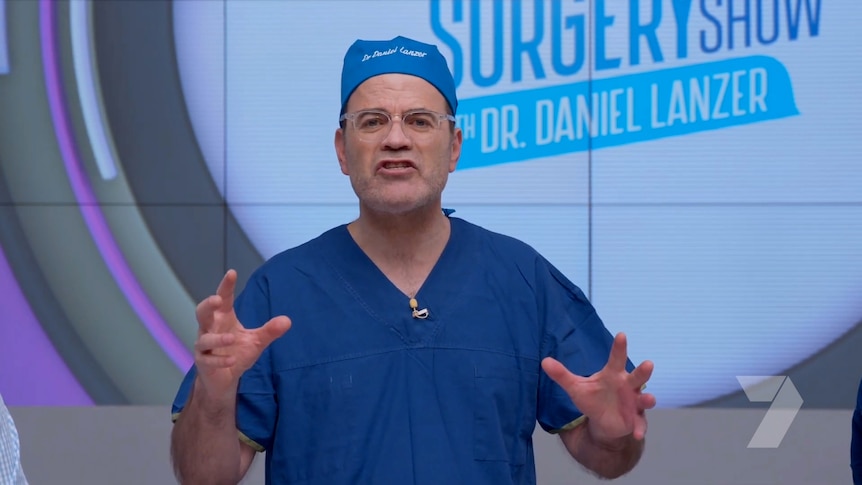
x,y
397,171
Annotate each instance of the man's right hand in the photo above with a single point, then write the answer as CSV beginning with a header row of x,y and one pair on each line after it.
x,y
224,348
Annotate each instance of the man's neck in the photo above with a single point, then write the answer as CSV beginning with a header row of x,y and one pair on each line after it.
x,y
415,238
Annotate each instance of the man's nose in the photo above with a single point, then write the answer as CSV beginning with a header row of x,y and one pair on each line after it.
x,y
397,136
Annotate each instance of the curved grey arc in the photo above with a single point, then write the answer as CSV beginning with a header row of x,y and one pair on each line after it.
x,y
159,154
68,344
824,380
82,60
32,200
127,224
111,257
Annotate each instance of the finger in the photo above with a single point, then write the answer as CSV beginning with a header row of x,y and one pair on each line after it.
x,y
226,289
639,377
618,358
640,427
212,361
273,329
210,341
205,312
646,401
560,374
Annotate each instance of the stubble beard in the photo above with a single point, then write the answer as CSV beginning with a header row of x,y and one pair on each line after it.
x,y
379,198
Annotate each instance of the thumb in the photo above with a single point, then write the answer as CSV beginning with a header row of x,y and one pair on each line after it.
x,y
273,329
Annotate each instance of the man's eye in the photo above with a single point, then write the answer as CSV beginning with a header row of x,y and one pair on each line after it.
x,y
372,121
420,120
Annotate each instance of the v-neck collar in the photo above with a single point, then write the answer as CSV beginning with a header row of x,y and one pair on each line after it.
x,y
363,261
378,295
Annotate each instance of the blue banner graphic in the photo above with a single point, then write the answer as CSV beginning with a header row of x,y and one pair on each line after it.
x,y
615,111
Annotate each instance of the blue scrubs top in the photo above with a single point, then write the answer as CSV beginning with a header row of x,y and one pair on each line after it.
x,y
856,441
359,391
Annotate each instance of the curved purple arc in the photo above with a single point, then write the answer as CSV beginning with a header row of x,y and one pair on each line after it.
x,y
89,205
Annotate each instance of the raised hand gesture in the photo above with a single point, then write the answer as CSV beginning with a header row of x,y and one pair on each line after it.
x,y
224,348
611,399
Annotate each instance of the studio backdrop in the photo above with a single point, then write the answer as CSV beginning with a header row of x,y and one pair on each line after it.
x,y
692,165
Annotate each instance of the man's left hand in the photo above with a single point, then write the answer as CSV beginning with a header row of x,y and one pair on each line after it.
x,y
611,399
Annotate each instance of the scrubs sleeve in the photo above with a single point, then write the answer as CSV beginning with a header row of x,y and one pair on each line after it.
x,y
256,403
574,335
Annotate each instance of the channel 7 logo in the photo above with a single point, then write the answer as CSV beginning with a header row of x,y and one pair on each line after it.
x,y
786,402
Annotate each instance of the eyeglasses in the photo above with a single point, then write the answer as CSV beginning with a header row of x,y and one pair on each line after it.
x,y
375,124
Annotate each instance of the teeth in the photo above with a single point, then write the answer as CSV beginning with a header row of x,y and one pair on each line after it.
x,y
396,165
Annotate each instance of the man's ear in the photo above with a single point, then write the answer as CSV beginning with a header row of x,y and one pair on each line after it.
x,y
455,155
339,151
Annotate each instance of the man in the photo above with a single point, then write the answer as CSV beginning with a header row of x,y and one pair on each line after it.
x,y
11,472
856,440
422,348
